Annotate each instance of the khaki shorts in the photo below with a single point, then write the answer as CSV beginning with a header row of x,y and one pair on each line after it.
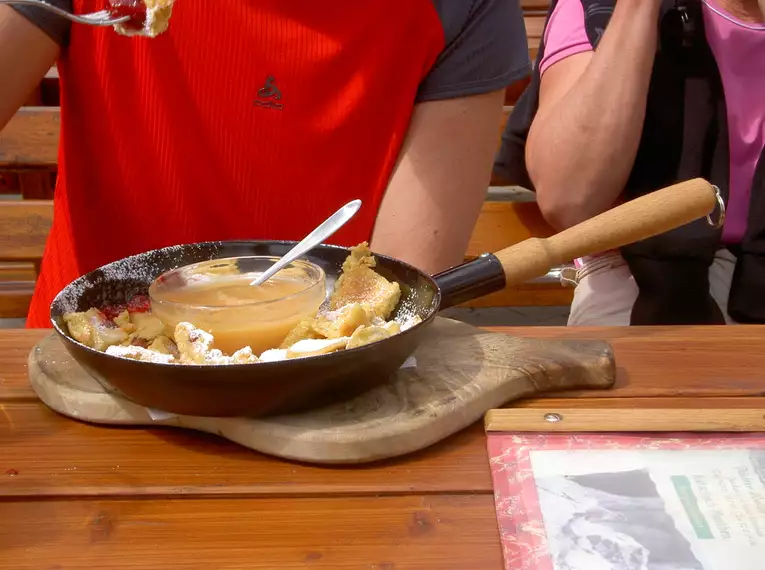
x,y
606,290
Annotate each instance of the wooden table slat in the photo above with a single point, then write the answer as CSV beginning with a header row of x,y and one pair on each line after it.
x,y
393,533
56,456
73,495
15,345
651,361
53,456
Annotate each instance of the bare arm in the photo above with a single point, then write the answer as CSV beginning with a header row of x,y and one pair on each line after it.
x,y
26,54
435,194
584,139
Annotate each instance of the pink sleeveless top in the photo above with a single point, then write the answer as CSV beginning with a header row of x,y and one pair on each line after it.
x,y
739,49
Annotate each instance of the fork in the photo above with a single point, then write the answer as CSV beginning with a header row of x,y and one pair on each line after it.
x,y
100,18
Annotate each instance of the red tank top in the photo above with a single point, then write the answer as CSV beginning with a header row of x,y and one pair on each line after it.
x,y
245,120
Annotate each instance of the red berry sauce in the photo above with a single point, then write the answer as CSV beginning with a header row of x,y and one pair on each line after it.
x,y
138,304
136,9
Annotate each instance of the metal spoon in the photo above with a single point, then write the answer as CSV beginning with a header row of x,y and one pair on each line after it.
x,y
316,237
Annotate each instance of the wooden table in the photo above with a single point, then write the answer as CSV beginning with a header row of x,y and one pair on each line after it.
x,y
78,496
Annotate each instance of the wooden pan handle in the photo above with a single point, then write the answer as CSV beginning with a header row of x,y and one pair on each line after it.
x,y
638,219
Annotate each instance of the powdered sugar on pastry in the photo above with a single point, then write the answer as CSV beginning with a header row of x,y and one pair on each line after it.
x,y
140,353
343,321
92,328
274,355
193,344
316,346
195,347
243,356
367,335
360,284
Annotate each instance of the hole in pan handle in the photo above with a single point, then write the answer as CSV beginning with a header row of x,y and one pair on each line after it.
x,y
636,220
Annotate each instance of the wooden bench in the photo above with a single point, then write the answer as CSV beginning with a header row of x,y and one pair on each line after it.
x,y
36,183
534,15
29,144
29,151
24,228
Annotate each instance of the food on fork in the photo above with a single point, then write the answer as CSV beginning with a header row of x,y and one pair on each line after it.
x,y
357,314
147,17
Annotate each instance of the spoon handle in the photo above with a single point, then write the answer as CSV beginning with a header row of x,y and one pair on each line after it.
x,y
316,237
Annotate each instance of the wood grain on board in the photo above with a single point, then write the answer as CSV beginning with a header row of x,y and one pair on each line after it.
x,y
388,533
506,223
54,456
595,419
73,495
693,361
30,139
461,372
499,225
24,229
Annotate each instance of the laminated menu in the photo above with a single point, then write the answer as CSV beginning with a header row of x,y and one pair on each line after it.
x,y
630,502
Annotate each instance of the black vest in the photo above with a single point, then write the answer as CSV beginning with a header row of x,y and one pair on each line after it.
x,y
685,135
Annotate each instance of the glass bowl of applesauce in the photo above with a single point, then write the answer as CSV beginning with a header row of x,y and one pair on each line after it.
x,y
216,296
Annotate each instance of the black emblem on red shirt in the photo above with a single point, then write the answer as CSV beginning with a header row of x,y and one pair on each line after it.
x,y
269,95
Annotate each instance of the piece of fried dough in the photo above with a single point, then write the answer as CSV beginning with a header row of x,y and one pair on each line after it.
x,y
193,344
93,329
274,355
368,335
164,345
316,347
302,331
360,284
343,321
244,356
140,353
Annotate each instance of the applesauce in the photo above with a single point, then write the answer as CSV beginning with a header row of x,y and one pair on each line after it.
x,y
216,296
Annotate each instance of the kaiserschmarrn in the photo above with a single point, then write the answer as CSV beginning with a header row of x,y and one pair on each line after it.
x,y
358,313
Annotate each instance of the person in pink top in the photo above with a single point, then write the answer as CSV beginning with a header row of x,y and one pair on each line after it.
x,y
633,95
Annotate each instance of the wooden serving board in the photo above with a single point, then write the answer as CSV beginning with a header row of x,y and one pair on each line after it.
x,y
460,373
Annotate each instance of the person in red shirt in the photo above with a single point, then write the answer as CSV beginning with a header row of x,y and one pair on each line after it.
x,y
256,119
